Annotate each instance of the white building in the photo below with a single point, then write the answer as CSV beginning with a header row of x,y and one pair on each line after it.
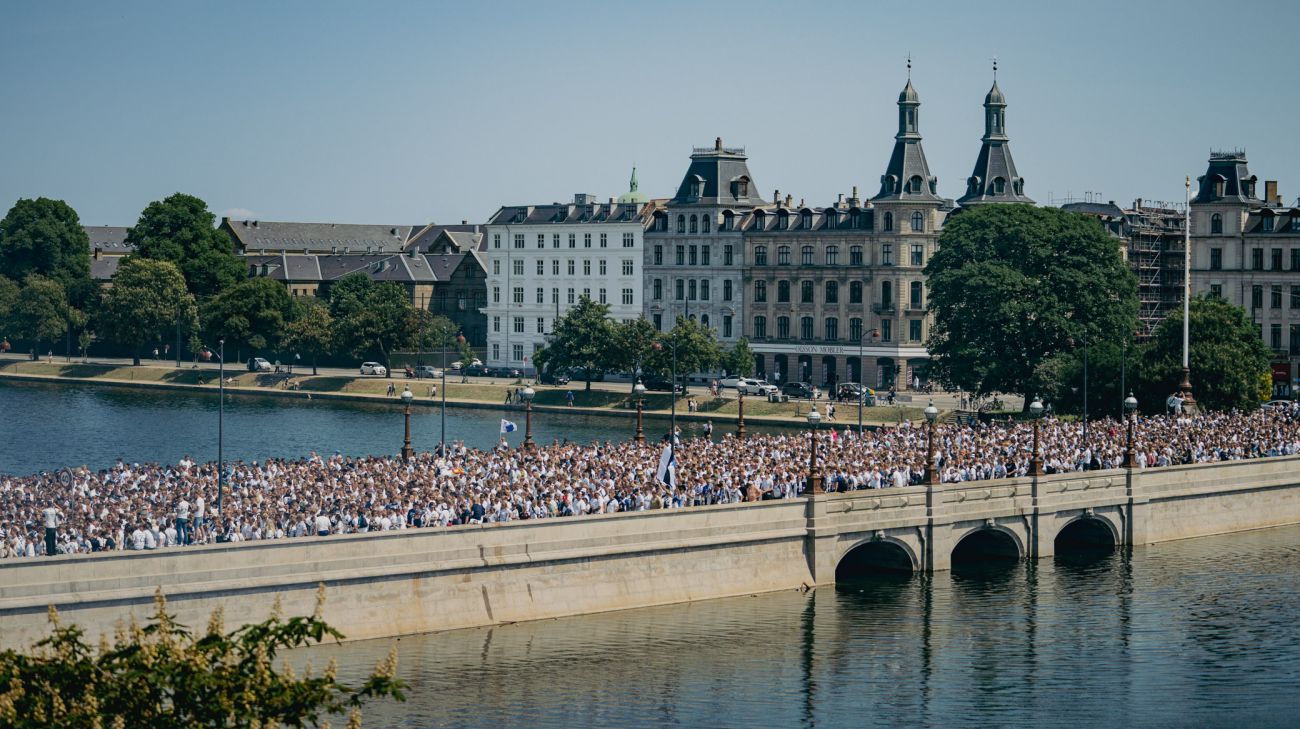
x,y
541,259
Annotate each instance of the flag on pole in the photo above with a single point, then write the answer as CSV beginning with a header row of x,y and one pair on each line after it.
x,y
667,473
508,427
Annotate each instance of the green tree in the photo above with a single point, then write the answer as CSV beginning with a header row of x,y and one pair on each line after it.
x,y
370,317
634,343
144,304
1013,286
162,673
739,360
41,314
311,331
180,229
251,313
8,298
585,338
696,346
433,333
1227,355
45,237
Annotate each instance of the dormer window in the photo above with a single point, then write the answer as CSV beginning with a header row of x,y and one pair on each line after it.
x,y
728,221
1295,228
760,220
740,187
973,185
832,218
782,220
999,186
1267,224
915,184
805,220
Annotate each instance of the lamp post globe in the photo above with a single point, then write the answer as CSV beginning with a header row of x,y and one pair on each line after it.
x,y
1036,412
814,476
1130,410
639,391
407,452
527,394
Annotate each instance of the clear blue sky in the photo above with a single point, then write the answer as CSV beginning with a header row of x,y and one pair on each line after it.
x,y
393,112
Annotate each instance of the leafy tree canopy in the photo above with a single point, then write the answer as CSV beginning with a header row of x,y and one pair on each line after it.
x,y
251,313
370,317
45,237
164,674
144,304
697,349
585,338
739,360
180,229
1228,358
41,313
634,343
311,332
1011,286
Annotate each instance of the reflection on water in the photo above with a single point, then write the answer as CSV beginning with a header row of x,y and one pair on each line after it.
x,y
1195,633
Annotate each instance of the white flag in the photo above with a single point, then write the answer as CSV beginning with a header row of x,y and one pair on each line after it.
x,y
667,473
508,427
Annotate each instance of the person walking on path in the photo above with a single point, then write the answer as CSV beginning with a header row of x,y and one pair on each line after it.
x,y
392,390
51,516
568,398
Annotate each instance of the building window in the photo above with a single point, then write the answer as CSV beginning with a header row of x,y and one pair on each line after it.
x,y
728,221
658,289
570,297
627,297
889,223
555,267
681,223
692,289
704,256
555,240
916,294
1275,296
1277,259
1257,259
541,295
541,267
1275,336
782,220
760,291
806,255
519,240
1216,290
586,240
496,351
541,325
518,267
704,320
726,318
918,254
496,240
760,327
855,292
886,254
541,240
728,254
603,297
886,330
805,220
629,240
604,240
832,329
855,255
695,257
783,327
918,221
1256,297
806,292
886,294
496,294
726,290
658,319
555,296
832,219
518,352
783,292
1295,296
1295,339
1295,259
783,255
832,255
704,289
806,328
1267,225
627,267
855,329
519,295
681,255
586,267
496,267
1216,224
519,325
760,255
914,330
832,292
573,240
572,265
704,223
659,255
496,323
604,267
1216,259
680,289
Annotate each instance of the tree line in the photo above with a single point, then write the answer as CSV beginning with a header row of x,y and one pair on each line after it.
x,y
185,281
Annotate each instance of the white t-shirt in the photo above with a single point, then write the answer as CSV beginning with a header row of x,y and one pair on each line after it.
x,y
51,516
198,507
183,509
322,523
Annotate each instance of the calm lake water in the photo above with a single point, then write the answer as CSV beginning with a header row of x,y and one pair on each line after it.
x,y
1199,633
52,426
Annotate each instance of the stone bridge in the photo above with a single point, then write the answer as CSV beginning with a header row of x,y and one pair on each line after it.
x,y
422,580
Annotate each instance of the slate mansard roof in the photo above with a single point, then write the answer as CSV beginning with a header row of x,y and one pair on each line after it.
x,y
1227,179
994,179
718,176
559,213
252,236
109,239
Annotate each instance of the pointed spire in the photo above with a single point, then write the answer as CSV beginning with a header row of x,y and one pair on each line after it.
x,y
994,178
908,175
632,183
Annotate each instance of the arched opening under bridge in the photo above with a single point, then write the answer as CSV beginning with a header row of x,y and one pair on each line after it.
x,y
871,559
985,546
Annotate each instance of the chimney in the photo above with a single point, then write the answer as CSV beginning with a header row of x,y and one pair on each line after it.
x,y
854,200
788,199
776,197
717,144
464,222
1270,192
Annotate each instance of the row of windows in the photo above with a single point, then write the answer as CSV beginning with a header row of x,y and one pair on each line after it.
x,y
1275,292
831,329
658,320
629,240
695,224
628,267
696,255
1275,338
690,290
1267,224
517,295
1257,259
831,292
692,255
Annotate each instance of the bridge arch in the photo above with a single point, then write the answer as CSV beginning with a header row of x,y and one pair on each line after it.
x,y
1086,532
876,556
988,544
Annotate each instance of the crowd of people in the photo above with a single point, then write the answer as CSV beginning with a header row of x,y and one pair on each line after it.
x,y
149,506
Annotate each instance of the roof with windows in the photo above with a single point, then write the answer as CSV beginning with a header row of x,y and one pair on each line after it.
x,y
908,178
1227,178
994,179
254,236
109,239
783,219
1273,221
718,175
463,237
584,210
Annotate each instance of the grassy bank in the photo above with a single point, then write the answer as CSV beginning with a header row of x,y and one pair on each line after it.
x,y
471,394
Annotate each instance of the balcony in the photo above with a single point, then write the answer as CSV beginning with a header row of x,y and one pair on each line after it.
x,y
884,307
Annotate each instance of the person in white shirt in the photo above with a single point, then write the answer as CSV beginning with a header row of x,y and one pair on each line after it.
x,y
51,516
322,525
183,521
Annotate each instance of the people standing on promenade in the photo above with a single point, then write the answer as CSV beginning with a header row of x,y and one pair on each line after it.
x,y
51,517
183,521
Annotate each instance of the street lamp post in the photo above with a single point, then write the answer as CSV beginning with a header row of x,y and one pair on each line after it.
x,y
931,417
814,476
740,414
639,391
1189,402
1036,412
527,395
221,423
1130,409
862,383
407,452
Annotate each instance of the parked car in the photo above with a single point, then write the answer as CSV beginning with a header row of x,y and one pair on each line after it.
x,y
509,373
755,387
662,384
257,364
1278,405
800,390
458,364
474,370
731,381
554,378
422,371
374,368
851,391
